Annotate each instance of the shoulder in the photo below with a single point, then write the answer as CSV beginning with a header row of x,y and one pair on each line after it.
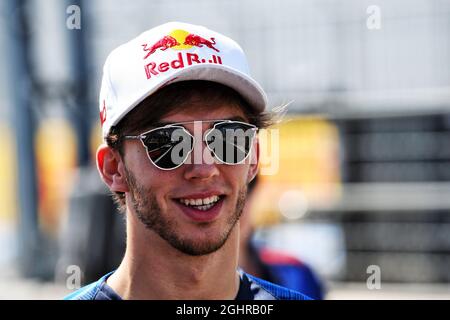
x,y
291,272
270,256
89,291
265,290
285,265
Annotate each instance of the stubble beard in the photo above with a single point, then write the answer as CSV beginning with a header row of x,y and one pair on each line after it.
x,y
149,213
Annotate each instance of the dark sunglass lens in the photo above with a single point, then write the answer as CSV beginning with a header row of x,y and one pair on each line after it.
x,y
231,141
169,147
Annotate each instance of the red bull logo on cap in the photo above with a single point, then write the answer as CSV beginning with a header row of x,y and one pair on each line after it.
x,y
179,40
163,44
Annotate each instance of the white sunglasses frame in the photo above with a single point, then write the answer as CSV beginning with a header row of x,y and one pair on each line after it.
x,y
143,135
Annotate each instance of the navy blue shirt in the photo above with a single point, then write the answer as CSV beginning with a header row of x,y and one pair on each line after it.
x,y
250,288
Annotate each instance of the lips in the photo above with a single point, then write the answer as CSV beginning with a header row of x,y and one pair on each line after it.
x,y
201,207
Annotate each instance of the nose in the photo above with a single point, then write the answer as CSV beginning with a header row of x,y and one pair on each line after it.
x,y
203,165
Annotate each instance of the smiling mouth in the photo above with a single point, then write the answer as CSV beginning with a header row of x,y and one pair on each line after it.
x,y
203,204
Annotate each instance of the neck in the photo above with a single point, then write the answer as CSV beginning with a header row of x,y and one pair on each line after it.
x,y
152,269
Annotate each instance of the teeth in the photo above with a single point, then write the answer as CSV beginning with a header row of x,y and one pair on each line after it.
x,y
200,202
205,207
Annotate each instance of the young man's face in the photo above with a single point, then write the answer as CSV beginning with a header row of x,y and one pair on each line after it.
x,y
158,197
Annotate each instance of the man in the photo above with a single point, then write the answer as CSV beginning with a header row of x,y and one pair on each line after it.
x,y
179,115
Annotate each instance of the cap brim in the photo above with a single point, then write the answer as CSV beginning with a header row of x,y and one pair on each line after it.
x,y
248,88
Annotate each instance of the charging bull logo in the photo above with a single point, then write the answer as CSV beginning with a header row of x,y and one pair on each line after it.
x,y
179,40
163,44
195,40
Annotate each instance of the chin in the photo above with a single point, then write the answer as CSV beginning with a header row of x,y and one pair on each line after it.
x,y
202,242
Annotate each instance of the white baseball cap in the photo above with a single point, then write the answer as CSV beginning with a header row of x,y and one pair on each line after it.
x,y
170,53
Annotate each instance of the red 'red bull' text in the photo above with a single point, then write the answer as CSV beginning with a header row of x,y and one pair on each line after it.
x,y
103,113
183,59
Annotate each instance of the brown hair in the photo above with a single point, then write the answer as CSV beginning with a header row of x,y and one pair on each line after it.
x,y
172,98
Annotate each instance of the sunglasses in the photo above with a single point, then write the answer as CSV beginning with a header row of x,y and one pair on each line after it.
x,y
169,146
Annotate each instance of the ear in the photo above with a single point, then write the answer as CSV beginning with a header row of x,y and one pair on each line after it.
x,y
254,161
111,168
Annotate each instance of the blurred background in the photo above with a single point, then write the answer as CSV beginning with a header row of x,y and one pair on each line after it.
x,y
362,180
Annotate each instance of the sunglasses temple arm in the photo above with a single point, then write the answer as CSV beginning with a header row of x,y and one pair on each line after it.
x,y
132,137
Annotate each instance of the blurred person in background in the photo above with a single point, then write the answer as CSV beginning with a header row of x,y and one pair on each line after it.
x,y
175,92
272,265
